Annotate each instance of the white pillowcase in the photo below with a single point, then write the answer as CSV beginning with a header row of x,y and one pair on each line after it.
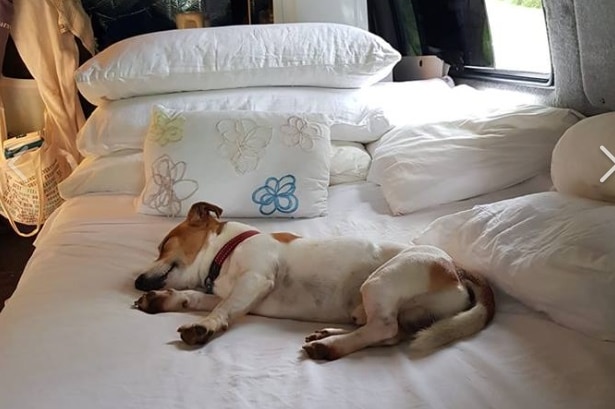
x,y
120,173
578,164
349,162
428,165
553,252
309,54
356,115
252,164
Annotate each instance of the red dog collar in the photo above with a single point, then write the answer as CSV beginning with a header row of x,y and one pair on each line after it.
x,y
223,254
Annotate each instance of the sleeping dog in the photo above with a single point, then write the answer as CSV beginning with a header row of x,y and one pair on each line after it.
x,y
389,291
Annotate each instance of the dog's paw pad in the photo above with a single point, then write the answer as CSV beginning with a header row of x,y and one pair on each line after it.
x,y
195,334
319,351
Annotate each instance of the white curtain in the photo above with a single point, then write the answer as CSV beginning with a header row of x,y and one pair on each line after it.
x,y
45,32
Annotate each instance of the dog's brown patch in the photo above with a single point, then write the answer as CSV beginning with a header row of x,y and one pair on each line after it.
x,y
485,296
184,242
284,237
442,276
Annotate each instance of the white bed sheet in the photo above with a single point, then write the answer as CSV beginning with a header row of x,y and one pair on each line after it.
x,y
69,339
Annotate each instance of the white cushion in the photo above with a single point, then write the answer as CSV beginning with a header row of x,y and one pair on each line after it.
x,y
122,172
555,253
119,173
578,163
312,54
356,116
252,164
349,162
428,165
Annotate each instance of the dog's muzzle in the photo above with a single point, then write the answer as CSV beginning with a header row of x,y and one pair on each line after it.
x,y
144,283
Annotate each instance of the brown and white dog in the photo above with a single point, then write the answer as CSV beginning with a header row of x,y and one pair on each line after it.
x,y
390,291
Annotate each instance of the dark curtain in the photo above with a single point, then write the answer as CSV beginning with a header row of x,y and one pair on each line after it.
x,y
384,22
115,20
457,31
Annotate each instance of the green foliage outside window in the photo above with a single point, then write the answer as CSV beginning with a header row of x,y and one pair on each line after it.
x,y
526,3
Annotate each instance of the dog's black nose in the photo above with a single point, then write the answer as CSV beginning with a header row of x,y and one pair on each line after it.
x,y
144,283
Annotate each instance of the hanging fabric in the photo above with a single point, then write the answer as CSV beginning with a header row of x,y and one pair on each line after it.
x,y
48,47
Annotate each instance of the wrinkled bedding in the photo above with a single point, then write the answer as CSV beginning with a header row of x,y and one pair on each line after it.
x,y
69,339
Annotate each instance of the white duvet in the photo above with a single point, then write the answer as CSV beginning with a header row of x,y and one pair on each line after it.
x,y
69,339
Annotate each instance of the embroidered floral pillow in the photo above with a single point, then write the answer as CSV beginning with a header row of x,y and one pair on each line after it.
x,y
252,164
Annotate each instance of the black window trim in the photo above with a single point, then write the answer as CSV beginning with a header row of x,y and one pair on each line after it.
x,y
510,76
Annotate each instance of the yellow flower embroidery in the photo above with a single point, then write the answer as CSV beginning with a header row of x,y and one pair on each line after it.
x,y
166,127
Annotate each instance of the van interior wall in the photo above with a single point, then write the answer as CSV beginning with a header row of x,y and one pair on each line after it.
x,y
565,24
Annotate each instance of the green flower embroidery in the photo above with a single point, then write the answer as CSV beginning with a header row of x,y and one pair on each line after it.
x,y
166,127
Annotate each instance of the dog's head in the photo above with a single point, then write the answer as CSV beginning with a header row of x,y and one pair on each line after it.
x,y
175,266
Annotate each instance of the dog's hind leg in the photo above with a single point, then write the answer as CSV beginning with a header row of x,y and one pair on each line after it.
x,y
381,327
383,293
358,315
154,302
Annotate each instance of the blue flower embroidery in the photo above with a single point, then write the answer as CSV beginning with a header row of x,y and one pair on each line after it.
x,y
277,195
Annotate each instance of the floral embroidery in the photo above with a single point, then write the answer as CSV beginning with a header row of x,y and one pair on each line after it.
x,y
166,127
243,142
300,132
277,195
173,189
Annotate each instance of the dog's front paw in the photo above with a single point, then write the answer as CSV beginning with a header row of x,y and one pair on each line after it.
x,y
151,302
201,332
195,334
320,351
154,302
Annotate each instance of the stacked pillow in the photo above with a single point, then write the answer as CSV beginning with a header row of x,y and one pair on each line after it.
x,y
554,251
261,102
303,54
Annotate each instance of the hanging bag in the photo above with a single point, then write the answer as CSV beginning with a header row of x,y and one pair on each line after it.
x,y
29,186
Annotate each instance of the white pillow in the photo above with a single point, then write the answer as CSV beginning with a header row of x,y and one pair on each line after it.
x,y
428,165
123,124
252,164
119,173
553,252
349,162
312,54
122,172
578,164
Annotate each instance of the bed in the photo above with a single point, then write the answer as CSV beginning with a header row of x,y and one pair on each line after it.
x,y
69,337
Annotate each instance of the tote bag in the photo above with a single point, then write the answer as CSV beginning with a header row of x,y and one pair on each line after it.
x,y
29,186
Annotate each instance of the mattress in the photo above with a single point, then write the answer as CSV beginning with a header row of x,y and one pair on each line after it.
x,y
69,338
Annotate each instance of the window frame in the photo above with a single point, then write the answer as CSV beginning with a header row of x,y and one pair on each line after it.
x,y
459,70
527,78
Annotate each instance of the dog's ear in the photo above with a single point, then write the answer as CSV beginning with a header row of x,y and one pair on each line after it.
x,y
201,211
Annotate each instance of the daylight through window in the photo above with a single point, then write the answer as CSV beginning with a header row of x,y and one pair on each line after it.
x,y
519,35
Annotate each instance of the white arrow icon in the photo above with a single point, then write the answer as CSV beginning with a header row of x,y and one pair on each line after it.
x,y
612,158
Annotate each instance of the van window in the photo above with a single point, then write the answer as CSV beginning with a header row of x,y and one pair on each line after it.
x,y
506,38
519,35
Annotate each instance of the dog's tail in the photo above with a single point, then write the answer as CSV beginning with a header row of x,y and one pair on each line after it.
x,y
462,324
